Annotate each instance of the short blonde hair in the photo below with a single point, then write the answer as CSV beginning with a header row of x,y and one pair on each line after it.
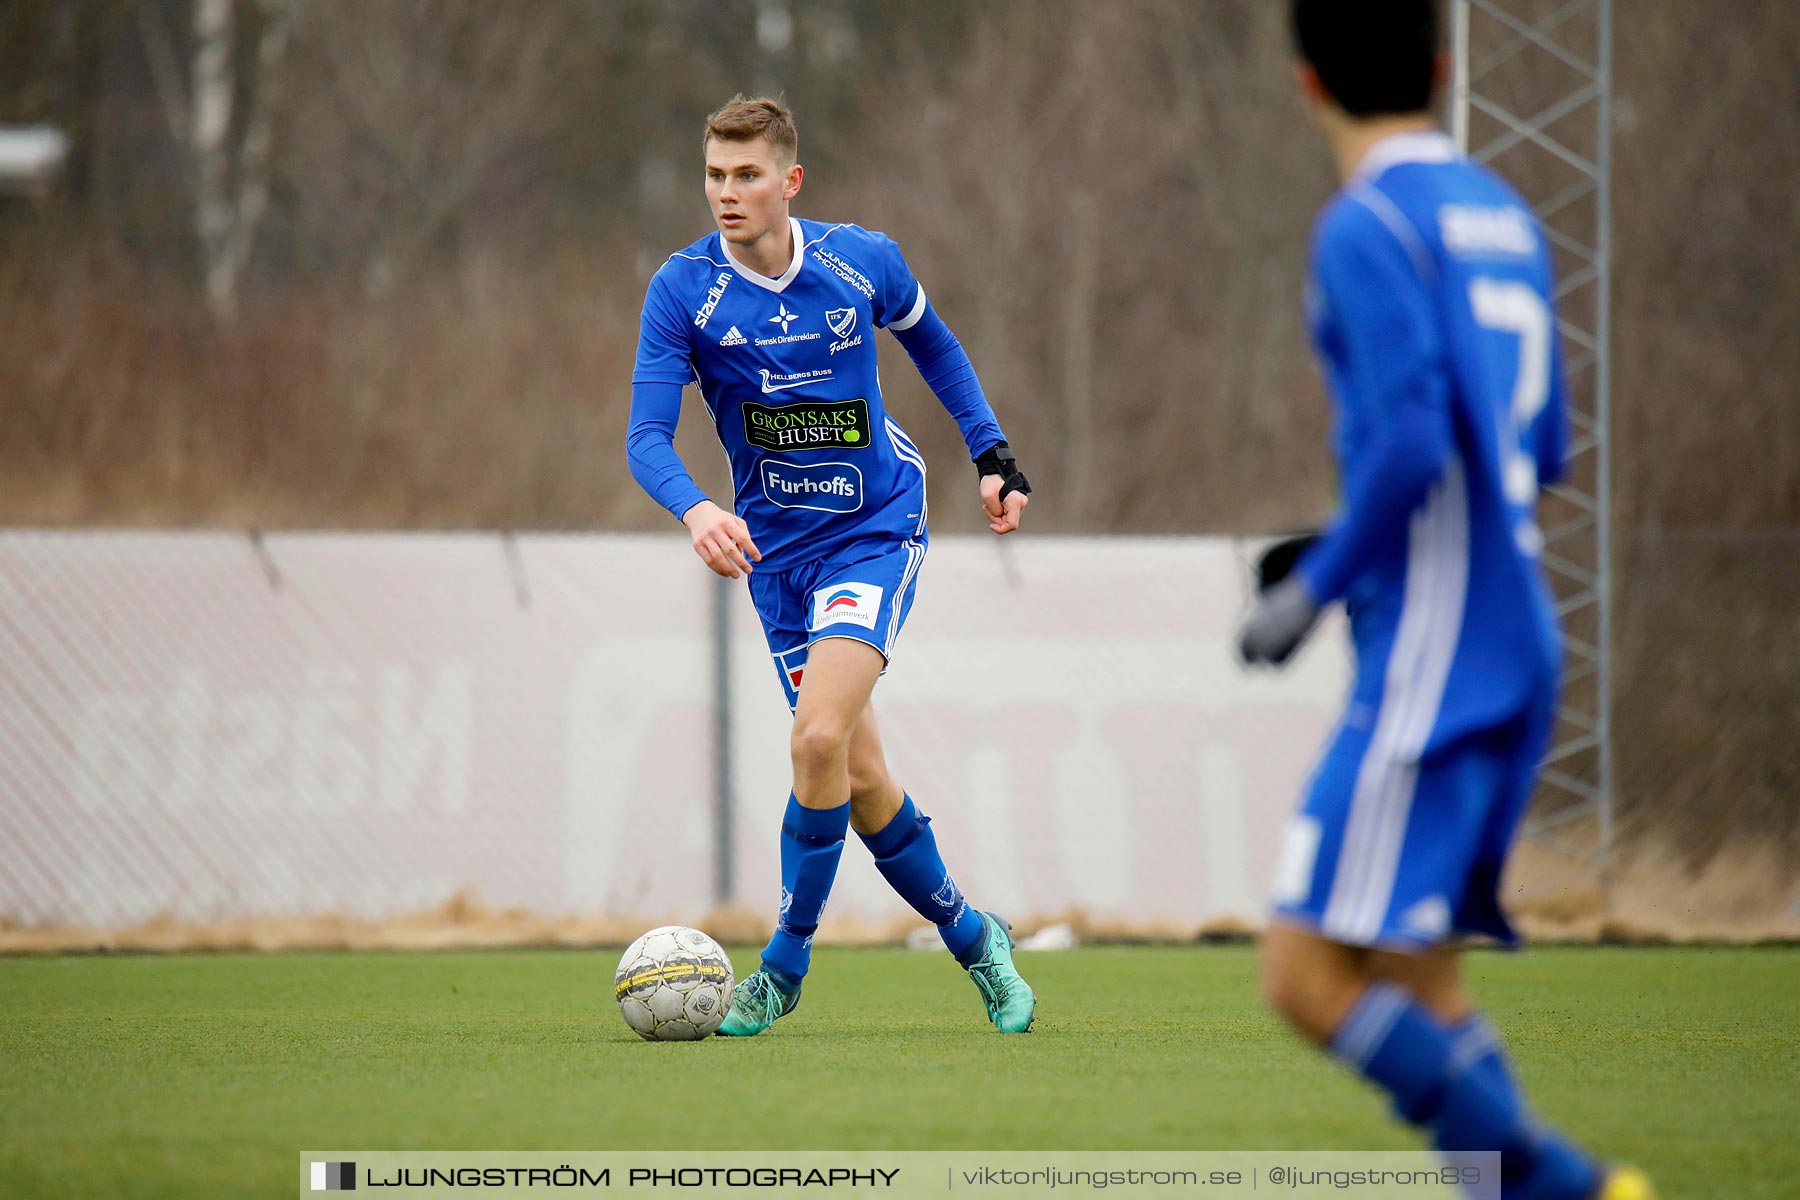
x,y
745,119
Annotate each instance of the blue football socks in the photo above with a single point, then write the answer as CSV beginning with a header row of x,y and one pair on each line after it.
x,y
907,856
1394,1043
1476,1047
812,841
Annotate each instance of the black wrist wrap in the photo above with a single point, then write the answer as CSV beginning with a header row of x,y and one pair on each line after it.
x,y
999,460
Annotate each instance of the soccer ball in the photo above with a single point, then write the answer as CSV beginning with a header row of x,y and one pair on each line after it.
x,y
673,985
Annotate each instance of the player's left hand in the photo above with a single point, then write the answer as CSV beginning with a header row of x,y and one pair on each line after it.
x,y
1003,515
1275,628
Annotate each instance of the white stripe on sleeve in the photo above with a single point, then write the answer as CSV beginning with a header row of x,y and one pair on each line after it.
x,y
912,317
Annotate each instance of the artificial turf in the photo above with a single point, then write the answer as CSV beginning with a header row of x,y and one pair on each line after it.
x,y
138,1076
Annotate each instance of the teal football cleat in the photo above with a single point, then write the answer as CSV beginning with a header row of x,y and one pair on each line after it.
x,y
757,1003
1011,1004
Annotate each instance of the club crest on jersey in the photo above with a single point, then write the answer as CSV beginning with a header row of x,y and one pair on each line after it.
x,y
846,604
842,323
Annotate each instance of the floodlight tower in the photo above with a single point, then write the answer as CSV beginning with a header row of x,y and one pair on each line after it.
x,y
1532,96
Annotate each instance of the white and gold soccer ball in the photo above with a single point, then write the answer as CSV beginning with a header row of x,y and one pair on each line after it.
x,y
673,985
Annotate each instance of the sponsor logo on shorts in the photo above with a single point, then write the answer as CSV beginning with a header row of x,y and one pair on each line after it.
x,y
1294,866
823,487
846,604
1429,917
808,425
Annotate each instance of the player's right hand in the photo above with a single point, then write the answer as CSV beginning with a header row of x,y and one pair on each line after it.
x,y
721,539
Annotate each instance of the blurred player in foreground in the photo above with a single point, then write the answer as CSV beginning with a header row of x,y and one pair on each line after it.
x,y
775,318
1430,307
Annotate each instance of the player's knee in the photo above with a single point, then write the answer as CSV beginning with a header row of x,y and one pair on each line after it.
x,y
1283,989
1308,994
819,744
868,782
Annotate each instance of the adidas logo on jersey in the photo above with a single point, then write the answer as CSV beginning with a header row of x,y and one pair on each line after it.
x,y
733,337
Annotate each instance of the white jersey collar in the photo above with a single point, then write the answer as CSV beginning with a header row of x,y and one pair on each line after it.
x,y
760,280
1421,146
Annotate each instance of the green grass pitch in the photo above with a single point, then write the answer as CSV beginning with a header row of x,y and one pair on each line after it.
x,y
154,1076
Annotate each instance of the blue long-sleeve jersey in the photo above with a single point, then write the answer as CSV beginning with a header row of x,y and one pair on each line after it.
x,y
787,368
1430,305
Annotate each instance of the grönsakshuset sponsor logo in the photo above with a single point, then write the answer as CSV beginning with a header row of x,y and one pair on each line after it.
x,y
808,425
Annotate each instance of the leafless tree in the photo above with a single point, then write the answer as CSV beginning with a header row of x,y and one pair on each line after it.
x,y
220,111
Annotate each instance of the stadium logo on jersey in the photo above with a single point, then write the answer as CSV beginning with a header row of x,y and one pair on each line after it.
x,y
783,317
847,604
821,487
808,425
713,295
780,383
733,337
1472,231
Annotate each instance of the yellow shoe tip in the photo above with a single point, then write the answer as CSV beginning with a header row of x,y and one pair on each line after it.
x,y
1627,1183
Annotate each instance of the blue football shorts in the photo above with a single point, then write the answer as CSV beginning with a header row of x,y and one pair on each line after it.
x,y
864,594
1405,855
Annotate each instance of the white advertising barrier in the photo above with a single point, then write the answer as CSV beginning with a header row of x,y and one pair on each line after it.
x,y
199,727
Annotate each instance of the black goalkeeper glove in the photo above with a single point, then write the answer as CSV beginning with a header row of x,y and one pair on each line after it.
x,y
1285,611
998,460
1278,560
1282,618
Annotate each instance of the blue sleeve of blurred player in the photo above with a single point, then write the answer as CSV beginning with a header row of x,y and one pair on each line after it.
x,y
901,306
1397,393
1552,428
663,369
